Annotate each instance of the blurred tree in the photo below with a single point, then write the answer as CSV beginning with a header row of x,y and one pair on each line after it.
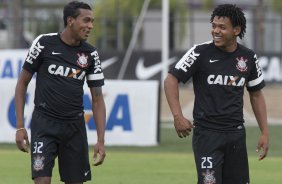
x,y
15,28
115,19
277,5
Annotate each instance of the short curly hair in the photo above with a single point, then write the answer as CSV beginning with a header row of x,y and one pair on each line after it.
x,y
72,10
234,13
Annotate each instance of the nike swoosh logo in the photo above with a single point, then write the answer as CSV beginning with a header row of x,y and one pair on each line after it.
x,y
109,62
56,53
212,61
143,72
85,174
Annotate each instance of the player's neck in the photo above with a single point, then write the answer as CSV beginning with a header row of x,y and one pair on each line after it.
x,y
68,38
229,48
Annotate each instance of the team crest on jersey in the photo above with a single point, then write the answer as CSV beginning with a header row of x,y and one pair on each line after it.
x,y
82,60
209,177
38,163
242,64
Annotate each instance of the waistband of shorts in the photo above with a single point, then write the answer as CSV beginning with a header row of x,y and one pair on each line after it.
x,y
235,128
61,120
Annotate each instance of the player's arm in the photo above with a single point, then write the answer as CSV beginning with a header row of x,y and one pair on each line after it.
x,y
259,108
20,95
31,65
99,113
181,124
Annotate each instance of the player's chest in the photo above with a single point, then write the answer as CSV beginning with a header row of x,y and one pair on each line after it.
x,y
66,58
225,65
65,63
226,71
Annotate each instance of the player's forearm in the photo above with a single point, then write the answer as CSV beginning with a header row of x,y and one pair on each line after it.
x,y
20,94
259,108
99,113
171,89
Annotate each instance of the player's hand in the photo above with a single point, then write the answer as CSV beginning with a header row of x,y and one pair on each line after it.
x,y
263,146
182,126
99,149
22,140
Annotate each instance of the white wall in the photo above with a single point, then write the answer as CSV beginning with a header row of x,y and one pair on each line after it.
x,y
132,106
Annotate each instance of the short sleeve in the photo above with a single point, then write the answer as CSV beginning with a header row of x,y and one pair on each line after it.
x,y
184,69
32,61
255,81
95,76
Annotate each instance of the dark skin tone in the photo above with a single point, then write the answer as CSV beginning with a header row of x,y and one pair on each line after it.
x,y
225,38
77,30
224,34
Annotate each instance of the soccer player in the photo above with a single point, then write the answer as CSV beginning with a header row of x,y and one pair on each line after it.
x,y
220,69
61,62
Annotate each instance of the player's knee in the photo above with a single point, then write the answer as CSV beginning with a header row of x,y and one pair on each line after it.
x,y
42,180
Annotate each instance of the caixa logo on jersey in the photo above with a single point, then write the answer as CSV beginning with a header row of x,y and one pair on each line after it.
x,y
66,72
119,114
226,80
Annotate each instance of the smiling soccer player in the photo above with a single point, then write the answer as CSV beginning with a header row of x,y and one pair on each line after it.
x,y
220,69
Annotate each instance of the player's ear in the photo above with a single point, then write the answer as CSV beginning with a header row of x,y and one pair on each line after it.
x,y
70,21
237,30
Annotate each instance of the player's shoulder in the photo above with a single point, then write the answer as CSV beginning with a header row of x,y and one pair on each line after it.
x,y
87,45
47,36
199,49
246,53
245,50
203,47
43,40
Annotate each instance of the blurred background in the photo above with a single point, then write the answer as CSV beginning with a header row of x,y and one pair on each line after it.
x,y
22,20
138,40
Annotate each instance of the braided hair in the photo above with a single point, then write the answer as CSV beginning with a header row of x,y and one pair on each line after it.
x,y
234,13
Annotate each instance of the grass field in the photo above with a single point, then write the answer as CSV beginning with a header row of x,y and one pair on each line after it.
x,y
169,163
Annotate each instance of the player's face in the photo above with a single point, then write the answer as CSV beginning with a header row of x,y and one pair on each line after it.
x,y
224,34
83,24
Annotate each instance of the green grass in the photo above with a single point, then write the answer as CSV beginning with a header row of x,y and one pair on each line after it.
x,y
170,162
